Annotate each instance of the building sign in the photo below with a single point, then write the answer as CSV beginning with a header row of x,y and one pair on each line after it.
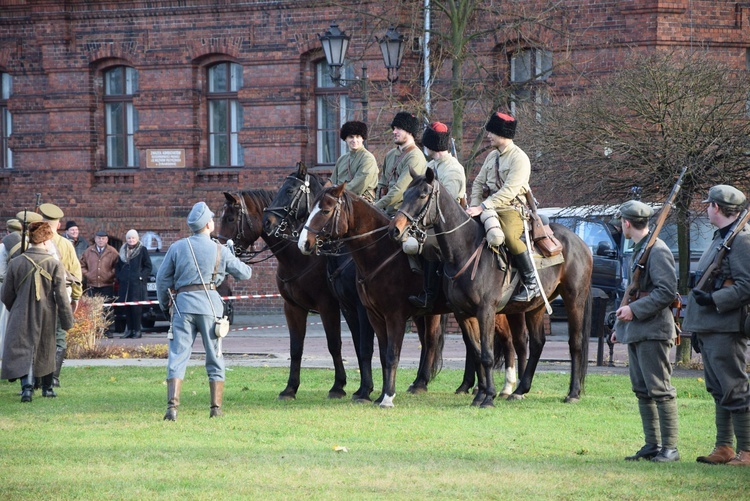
x,y
165,158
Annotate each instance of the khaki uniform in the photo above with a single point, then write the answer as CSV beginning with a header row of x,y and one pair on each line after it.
x,y
359,170
395,176
451,175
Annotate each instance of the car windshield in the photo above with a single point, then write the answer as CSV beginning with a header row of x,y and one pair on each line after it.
x,y
156,260
701,235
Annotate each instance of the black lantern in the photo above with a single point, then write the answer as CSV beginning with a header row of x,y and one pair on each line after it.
x,y
392,47
335,43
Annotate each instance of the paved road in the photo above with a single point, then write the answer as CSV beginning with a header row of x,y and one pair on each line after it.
x,y
263,340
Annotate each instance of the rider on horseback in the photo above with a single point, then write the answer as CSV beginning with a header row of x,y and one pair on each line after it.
x,y
500,187
357,167
451,174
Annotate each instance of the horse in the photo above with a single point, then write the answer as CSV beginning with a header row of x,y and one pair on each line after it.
x,y
477,286
385,279
290,209
301,283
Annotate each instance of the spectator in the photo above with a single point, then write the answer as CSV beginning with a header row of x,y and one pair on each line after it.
x,y
98,265
73,234
133,270
34,293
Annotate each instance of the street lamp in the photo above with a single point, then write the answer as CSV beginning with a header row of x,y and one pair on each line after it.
x,y
335,43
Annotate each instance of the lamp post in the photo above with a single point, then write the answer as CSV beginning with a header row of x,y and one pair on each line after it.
x,y
335,43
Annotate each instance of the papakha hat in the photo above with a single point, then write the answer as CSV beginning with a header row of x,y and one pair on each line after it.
x,y
437,137
199,216
406,121
51,212
353,128
502,125
634,209
725,195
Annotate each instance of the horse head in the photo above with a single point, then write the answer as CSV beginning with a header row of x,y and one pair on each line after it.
x,y
325,224
241,218
292,204
419,209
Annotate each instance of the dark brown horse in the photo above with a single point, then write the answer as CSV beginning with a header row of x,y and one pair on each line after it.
x,y
476,287
385,279
301,281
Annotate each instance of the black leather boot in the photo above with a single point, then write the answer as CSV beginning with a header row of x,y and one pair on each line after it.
x,y
47,390
174,386
59,359
432,283
529,289
27,388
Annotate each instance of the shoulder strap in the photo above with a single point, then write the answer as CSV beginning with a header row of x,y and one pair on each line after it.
x,y
195,260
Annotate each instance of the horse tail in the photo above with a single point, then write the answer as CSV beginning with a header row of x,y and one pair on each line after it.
x,y
586,336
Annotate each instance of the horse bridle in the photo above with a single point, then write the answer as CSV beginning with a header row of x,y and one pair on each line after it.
x,y
417,225
288,214
242,220
322,236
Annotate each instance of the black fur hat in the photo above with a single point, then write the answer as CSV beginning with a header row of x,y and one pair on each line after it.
x,y
502,125
354,128
406,121
437,137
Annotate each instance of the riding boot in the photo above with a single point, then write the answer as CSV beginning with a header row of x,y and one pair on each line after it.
x,y
60,354
174,386
432,284
47,390
27,388
529,289
217,395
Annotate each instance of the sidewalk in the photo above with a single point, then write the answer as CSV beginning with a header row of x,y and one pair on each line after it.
x,y
263,341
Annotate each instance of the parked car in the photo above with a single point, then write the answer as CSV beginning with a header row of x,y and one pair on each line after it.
x,y
152,313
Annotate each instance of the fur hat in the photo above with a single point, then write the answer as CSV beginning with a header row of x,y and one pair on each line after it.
x,y
437,137
502,125
406,121
353,128
70,224
39,232
199,216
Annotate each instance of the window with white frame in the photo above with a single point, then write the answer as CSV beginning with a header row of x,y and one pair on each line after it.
x,y
224,116
333,108
6,127
121,117
529,70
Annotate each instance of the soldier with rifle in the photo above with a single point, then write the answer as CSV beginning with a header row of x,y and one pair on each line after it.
x,y
716,316
645,324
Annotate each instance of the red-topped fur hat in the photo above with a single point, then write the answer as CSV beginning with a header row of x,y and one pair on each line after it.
x,y
437,137
502,125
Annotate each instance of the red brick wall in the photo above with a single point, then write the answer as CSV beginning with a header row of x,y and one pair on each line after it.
x,y
57,51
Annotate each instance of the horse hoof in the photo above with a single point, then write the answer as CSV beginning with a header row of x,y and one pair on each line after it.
x,y
487,404
336,394
416,389
463,390
477,401
571,400
386,402
504,395
515,396
361,400
287,396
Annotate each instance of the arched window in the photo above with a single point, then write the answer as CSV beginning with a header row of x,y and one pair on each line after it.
x,y
121,117
333,109
224,116
6,127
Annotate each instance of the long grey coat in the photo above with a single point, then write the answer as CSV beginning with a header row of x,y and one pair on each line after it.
x,y
725,316
30,334
653,317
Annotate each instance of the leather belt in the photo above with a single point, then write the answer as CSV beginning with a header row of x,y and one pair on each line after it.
x,y
196,287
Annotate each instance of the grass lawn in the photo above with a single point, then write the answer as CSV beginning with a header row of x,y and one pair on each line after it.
x,y
104,438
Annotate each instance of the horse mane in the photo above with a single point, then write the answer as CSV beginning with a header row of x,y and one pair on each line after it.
x,y
260,198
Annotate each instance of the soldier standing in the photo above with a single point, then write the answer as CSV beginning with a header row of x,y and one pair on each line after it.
x,y
715,320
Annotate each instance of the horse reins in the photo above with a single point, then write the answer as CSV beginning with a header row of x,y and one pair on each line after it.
x,y
292,209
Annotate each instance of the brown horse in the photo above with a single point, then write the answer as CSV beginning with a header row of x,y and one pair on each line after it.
x,y
385,279
476,286
301,281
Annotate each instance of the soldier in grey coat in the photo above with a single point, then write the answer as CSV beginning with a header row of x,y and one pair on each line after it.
x,y
196,306
646,325
716,320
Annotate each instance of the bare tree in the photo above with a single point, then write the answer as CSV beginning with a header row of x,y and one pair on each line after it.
x,y
639,127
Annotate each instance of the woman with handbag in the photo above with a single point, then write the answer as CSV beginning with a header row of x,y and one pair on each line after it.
x,y
192,268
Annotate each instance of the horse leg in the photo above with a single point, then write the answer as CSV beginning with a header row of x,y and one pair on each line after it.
x,y
486,320
430,330
535,325
579,314
504,344
520,338
296,321
471,333
331,318
364,355
470,366
396,326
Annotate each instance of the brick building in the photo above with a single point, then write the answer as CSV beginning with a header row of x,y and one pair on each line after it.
x,y
124,113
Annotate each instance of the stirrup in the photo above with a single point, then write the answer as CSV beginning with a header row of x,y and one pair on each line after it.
x,y
525,294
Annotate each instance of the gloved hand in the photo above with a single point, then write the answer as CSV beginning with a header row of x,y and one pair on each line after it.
x,y
703,298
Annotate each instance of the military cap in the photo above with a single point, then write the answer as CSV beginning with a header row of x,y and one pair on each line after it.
x,y
199,216
633,209
30,216
725,195
14,225
51,212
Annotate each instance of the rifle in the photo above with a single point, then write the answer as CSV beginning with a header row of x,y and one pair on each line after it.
x,y
639,264
24,231
707,282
